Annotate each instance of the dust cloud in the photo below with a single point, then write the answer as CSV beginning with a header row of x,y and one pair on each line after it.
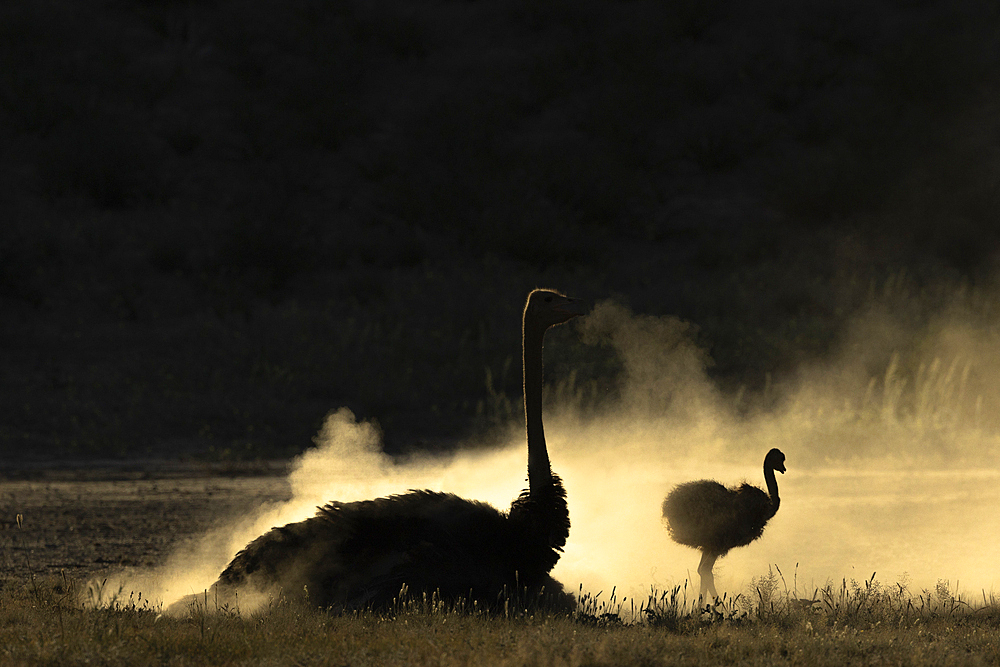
x,y
891,446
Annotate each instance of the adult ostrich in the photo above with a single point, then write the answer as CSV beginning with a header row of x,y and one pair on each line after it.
x,y
361,554
708,516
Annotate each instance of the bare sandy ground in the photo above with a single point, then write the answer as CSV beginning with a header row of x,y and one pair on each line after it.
x,y
92,521
834,525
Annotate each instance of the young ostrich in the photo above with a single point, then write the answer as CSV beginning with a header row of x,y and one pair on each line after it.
x,y
361,554
714,519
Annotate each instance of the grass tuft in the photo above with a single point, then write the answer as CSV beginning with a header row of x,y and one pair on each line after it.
x,y
53,620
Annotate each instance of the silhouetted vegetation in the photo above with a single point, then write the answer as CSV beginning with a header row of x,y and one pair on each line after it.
x,y
222,219
44,621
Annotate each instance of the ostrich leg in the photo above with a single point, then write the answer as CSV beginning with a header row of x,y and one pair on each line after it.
x,y
707,578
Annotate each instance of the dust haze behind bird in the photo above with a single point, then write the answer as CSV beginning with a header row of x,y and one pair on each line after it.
x,y
895,438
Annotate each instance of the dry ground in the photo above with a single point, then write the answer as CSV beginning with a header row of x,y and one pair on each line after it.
x,y
86,522
90,521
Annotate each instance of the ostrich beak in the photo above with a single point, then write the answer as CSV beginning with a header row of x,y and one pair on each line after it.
x,y
572,307
780,468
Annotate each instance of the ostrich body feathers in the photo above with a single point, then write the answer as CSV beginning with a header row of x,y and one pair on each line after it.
x,y
708,516
360,554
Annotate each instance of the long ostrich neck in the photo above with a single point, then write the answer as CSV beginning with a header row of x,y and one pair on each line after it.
x,y
539,472
772,487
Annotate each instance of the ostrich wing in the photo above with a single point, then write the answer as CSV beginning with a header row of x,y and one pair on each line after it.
x,y
351,555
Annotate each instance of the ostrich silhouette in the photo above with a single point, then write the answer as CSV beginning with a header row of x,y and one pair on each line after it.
x,y
714,519
360,555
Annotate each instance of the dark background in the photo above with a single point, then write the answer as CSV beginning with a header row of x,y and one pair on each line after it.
x,y
222,219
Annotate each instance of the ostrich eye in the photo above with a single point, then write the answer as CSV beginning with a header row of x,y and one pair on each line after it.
x,y
548,299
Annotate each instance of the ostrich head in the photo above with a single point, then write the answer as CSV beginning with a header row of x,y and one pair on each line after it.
x,y
546,308
775,460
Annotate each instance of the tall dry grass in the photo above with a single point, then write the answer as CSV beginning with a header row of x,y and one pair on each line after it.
x,y
54,621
